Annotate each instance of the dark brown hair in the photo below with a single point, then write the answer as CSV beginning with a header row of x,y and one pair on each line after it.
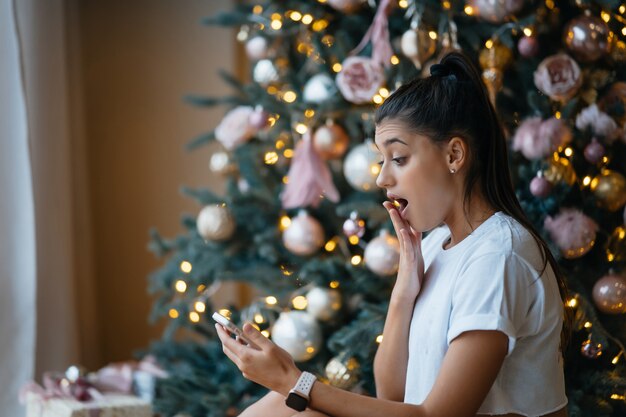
x,y
453,101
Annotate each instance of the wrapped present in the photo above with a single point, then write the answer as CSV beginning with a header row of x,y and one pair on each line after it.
x,y
107,405
73,395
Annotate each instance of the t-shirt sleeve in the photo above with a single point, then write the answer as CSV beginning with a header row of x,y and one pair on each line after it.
x,y
490,293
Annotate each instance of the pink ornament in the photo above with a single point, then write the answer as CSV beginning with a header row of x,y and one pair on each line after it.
x,y
259,118
304,236
572,231
359,79
235,128
609,294
528,46
354,226
559,77
594,151
588,37
540,187
309,178
536,139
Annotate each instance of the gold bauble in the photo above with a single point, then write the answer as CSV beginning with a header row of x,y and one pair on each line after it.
x,y
610,189
496,56
342,372
216,223
616,245
330,141
560,170
494,60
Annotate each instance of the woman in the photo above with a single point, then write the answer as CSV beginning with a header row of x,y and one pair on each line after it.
x,y
476,314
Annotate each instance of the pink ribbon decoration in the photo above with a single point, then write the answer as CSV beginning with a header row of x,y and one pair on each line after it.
x,y
309,178
378,33
118,377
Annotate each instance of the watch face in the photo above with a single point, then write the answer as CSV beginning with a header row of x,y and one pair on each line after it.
x,y
296,402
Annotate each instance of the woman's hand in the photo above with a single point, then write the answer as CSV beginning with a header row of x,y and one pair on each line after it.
x,y
411,269
265,363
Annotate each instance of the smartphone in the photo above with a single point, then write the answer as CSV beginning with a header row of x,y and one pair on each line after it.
x,y
230,326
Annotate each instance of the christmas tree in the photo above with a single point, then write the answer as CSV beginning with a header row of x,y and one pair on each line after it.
x,y
301,219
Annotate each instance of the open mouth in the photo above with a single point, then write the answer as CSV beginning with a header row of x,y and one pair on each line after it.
x,y
401,204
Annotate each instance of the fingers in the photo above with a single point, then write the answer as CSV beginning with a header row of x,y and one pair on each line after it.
x,y
231,344
397,220
407,248
256,338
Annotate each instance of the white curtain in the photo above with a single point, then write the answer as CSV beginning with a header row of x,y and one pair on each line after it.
x,y
38,320
17,224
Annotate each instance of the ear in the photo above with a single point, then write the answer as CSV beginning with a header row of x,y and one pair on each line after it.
x,y
457,153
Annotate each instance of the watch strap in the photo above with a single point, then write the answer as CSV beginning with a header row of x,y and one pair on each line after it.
x,y
304,384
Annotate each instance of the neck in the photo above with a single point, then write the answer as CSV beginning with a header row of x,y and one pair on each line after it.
x,y
462,223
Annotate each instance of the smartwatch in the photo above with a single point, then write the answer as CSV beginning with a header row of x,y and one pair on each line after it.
x,y
298,397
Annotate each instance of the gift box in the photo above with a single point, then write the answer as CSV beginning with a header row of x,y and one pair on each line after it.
x,y
107,405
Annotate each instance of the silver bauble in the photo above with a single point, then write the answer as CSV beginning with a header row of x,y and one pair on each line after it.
x,y
361,166
323,303
298,333
382,254
319,88
343,372
216,223
304,236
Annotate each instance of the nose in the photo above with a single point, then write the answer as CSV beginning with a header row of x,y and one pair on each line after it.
x,y
384,179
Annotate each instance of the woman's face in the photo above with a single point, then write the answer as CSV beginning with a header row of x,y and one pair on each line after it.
x,y
415,172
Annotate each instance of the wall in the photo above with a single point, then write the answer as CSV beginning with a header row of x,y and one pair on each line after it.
x,y
131,64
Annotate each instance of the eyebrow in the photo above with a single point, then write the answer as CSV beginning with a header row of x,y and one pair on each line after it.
x,y
393,140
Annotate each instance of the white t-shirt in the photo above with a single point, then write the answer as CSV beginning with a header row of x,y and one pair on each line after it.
x,y
489,281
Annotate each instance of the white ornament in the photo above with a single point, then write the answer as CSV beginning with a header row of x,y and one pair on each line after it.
x,y
361,166
221,163
304,236
323,303
215,223
264,72
417,45
319,88
382,254
256,48
298,333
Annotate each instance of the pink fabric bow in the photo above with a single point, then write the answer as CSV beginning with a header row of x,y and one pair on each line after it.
x,y
309,177
378,33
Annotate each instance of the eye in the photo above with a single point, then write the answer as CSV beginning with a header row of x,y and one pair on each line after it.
x,y
399,160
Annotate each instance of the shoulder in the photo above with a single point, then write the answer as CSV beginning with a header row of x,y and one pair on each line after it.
x,y
506,240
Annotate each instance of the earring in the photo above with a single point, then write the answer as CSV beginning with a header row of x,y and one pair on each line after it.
x,y
452,170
